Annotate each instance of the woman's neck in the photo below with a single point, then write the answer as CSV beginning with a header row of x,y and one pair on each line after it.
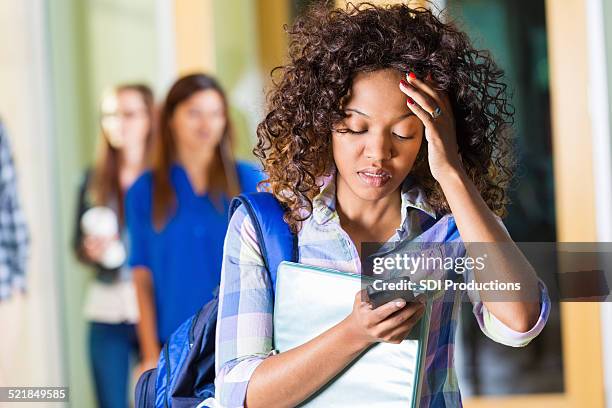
x,y
199,167
369,220
131,164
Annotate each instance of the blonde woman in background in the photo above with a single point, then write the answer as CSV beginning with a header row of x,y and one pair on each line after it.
x,y
100,241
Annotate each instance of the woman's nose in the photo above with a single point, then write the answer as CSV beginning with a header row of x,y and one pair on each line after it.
x,y
379,146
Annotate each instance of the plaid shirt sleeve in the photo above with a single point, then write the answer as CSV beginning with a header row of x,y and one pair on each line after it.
x,y
499,332
14,234
496,330
244,324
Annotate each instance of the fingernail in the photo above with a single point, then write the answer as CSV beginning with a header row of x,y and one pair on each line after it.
x,y
400,303
404,83
412,75
410,101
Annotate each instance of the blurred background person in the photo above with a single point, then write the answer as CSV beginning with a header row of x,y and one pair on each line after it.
x,y
100,241
14,249
177,213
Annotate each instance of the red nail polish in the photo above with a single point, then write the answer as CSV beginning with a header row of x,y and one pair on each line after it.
x,y
410,101
412,75
403,82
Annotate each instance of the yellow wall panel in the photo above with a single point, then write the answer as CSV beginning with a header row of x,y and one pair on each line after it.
x,y
194,25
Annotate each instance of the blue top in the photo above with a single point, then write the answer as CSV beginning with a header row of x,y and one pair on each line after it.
x,y
185,256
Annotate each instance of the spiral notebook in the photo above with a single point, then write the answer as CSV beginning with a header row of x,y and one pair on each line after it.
x,y
308,301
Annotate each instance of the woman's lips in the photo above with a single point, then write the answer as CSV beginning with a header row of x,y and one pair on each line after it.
x,y
374,178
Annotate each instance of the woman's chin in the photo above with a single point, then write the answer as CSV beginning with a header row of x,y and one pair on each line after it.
x,y
373,193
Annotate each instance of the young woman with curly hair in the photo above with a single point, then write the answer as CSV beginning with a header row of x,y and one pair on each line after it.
x,y
386,125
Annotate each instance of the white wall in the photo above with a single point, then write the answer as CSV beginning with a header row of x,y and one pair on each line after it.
x,y
24,108
26,72
599,108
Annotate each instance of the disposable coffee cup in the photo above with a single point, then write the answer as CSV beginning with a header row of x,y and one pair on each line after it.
x,y
102,222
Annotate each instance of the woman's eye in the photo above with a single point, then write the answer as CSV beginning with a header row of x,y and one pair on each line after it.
x,y
347,130
403,137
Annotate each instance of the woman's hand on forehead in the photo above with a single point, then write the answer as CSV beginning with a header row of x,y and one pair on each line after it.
x,y
434,109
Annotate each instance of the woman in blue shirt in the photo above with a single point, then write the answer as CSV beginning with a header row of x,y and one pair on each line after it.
x,y
177,212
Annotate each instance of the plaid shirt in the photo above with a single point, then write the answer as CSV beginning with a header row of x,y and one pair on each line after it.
x,y
244,326
14,236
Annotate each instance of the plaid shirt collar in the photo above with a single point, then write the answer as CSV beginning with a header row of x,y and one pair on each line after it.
x,y
413,196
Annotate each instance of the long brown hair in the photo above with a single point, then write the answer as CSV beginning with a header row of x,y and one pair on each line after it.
x,y
164,197
104,185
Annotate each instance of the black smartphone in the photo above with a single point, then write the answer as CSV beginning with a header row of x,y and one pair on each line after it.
x,y
379,292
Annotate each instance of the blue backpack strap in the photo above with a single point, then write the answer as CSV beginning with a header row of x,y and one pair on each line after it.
x,y
275,238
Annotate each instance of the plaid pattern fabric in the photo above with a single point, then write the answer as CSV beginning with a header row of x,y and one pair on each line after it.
x,y
244,326
14,235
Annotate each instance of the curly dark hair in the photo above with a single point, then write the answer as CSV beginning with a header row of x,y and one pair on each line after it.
x,y
329,47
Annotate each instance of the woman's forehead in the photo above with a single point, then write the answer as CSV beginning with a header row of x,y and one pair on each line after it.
x,y
376,94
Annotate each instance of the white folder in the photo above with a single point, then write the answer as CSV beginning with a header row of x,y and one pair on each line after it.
x,y
308,301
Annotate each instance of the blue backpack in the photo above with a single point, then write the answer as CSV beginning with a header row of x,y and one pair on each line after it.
x,y
185,373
